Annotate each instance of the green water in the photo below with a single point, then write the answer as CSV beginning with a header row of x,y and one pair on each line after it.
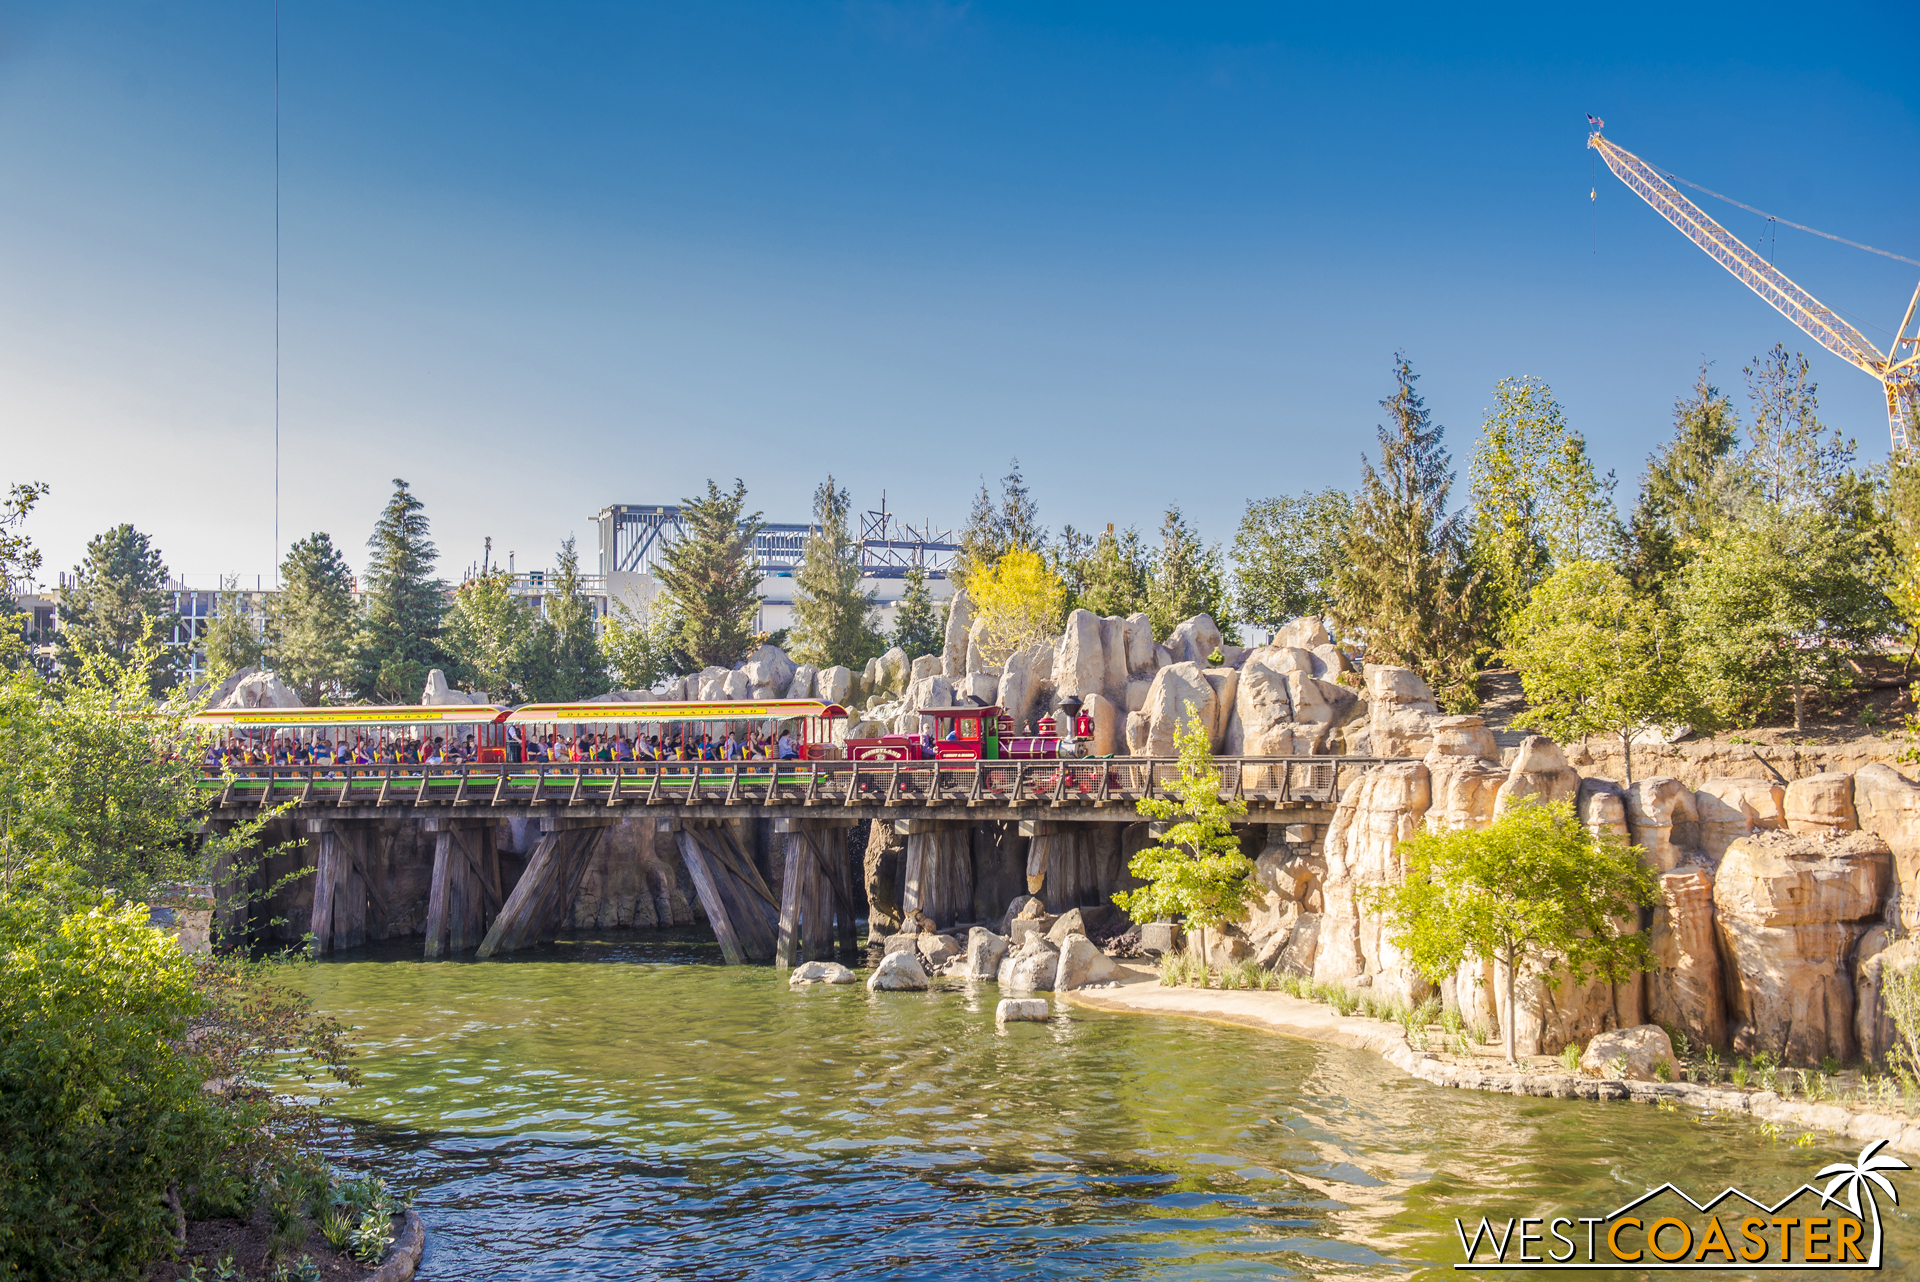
x,y
629,1108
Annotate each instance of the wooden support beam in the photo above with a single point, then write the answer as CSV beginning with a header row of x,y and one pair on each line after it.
x,y
464,892
795,853
709,891
540,899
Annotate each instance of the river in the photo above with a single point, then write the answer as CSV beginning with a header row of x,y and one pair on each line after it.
x,y
629,1108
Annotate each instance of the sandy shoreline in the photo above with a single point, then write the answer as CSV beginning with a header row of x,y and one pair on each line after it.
x,y
1141,993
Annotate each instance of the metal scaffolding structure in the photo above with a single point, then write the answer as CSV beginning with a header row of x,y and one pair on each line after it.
x,y
634,538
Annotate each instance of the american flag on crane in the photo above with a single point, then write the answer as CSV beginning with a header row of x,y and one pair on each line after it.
x,y
1596,122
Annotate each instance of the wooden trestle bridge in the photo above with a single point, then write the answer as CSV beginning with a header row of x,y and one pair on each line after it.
x,y
347,809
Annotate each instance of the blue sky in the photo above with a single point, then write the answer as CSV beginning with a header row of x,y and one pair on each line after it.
x,y
541,258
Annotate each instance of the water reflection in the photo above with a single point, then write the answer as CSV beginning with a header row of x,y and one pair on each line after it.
x,y
629,1108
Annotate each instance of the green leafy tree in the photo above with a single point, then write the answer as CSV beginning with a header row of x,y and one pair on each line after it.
x,y
575,667
115,602
1284,555
711,577
1405,586
405,604
1187,577
233,640
1684,493
1534,890
1597,658
918,627
640,644
1536,500
1197,870
1115,573
311,621
492,632
19,561
833,620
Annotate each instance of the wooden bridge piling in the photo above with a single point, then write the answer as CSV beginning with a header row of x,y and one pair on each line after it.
x,y
465,895
348,882
539,901
816,891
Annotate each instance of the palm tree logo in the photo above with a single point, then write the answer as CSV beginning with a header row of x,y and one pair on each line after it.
x,y
1862,1175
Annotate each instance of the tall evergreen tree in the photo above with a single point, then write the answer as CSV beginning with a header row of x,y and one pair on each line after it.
x,y
1284,554
1187,577
233,641
995,528
400,631
712,578
1405,587
1114,576
116,600
1685,491
917,624
577,669
832,618
310,622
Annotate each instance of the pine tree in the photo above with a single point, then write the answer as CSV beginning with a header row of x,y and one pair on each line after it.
x,y
918,627
1187,578
577,668
1684,492
833,620
310,623
995,529
1115,574
400,632
1019,514
233,641
116,601
712,578
1405,587
1284,554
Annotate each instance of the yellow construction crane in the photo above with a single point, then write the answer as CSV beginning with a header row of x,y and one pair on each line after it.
x,y
1897,369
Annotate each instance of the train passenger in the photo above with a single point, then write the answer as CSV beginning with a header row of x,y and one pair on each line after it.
x,y
787,750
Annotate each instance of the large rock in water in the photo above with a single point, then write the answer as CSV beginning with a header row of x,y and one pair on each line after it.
x,y
1082,962
1888,805
1029,1009
822,972
937,950
1789,910
984,953
898,973
1030,967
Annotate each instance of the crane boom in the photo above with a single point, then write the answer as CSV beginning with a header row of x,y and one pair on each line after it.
x,y
1897,376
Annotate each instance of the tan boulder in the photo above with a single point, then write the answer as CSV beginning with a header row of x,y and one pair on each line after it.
x,y
1137,694
1226,688
1875,959
1634,1054
1079,662
1463,736
1888,805
1789,909
1195,640
1141,658
1262,705
835,684
1463,766
1139,730
1729,809
1108,729
1282,658
953,654
1378,811
1685,991
1602,807
1664,823
1820,804
1539,771
980,654
1174,688
1304,633
1330,661
1401,711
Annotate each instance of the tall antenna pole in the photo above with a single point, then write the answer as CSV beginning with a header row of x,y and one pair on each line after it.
x,y
276,293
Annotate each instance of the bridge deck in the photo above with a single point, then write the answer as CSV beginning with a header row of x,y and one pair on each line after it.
x,y
959,789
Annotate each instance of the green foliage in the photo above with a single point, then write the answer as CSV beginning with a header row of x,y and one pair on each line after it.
x,y
1594,658
1405,587
1285,552
1186,577
994,529
1017,602
1537,503
710,575
311,622
833,620
1684,492
1197,870
233,640
918,626
568,643
1111,579
116,603
100,1114
19,561
1900,995
405,605
640,644
1533,889
491,633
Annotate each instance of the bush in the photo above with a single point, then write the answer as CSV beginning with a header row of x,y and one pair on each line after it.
x,y
100,1115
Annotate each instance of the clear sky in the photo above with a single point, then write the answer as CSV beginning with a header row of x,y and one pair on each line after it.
x,y
540,258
